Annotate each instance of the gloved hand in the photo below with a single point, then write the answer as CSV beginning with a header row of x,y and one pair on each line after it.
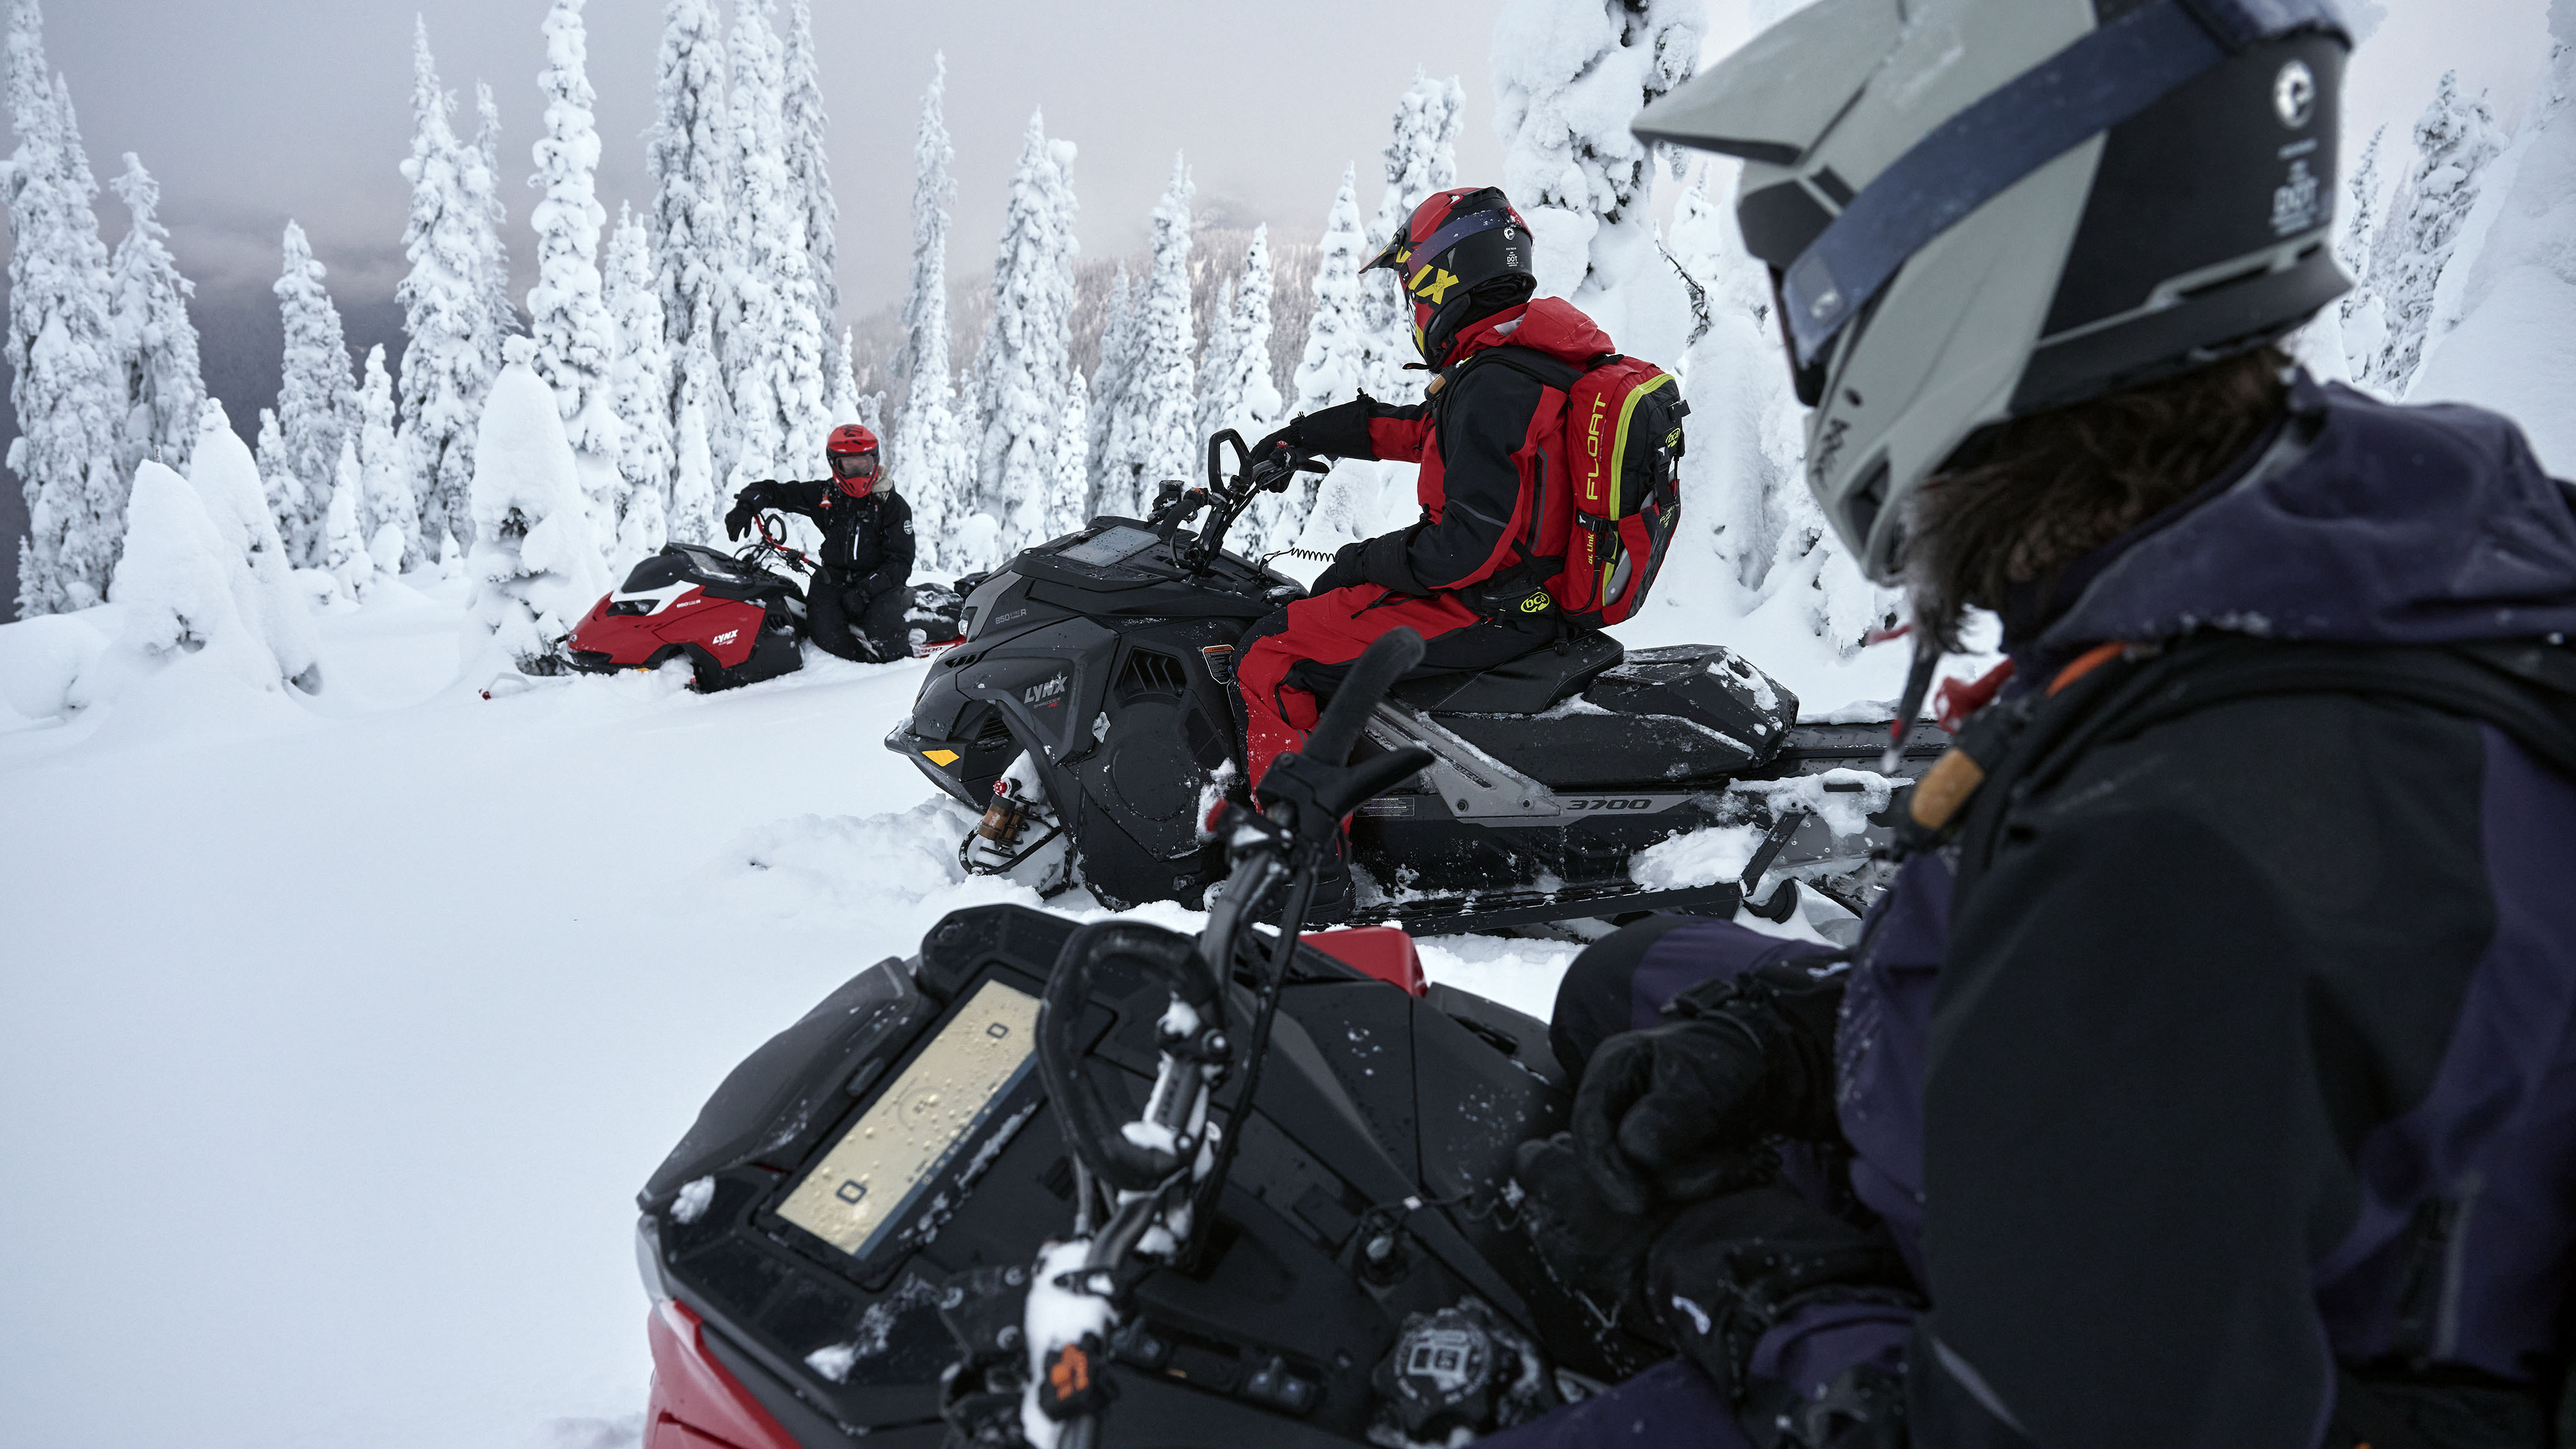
x,y
1676,1113
1343,571
738,520
1590,1246
1730,1269
1339,431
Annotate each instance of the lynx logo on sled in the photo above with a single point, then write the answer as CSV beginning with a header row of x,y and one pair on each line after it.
x,y
726,637
1048,694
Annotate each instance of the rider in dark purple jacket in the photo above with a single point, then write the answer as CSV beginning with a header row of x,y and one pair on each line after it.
x,y
2207,1075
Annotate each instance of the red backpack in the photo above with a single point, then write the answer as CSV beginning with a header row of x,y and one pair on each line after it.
x,y
1618,487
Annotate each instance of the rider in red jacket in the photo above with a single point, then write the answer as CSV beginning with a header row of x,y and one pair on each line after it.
x,y
1469,576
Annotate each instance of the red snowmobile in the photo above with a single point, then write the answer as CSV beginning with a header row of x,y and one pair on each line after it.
x,y
734,618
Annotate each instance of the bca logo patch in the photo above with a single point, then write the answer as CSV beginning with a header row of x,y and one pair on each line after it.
x,y
1535,603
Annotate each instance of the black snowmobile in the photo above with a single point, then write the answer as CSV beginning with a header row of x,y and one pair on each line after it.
x,y
1143,1188
1101,665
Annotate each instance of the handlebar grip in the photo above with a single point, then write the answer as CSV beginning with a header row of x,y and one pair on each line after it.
x,y
1387,659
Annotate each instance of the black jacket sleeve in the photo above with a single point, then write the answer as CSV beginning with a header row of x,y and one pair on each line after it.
x,y
786,497
894,546
1481,421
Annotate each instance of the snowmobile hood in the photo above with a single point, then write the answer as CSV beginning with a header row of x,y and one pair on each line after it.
x,y
1551,325
2356,522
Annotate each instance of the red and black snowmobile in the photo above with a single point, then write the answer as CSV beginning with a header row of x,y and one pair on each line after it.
x,y
734,618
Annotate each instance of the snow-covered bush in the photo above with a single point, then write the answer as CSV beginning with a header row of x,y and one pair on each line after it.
x,y
534,567
228,483
344,534
178,589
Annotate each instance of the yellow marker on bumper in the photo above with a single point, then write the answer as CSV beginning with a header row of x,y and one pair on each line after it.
x,y
941,758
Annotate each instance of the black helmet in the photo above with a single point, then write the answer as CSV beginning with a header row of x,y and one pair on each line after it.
x,y
1992,208
1463,254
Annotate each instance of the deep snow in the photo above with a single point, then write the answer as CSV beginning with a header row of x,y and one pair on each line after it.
x,y
336,1034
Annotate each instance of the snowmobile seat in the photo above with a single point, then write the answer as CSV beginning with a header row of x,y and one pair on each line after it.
x,y
1525,685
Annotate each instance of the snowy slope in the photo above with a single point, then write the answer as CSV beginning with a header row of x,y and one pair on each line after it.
x,y
335,1037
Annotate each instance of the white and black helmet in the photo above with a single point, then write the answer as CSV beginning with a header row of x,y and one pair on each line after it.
x,y
1974,210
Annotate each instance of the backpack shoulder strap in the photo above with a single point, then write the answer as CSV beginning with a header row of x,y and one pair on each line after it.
x,y
2526,689
1553,372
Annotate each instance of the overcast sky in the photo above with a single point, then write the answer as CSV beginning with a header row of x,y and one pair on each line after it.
x,y
251,114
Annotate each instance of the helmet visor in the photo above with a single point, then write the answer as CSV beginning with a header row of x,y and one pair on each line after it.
x,y
854,467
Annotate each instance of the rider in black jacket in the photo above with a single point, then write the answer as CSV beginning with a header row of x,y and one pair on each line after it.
x,y
861,592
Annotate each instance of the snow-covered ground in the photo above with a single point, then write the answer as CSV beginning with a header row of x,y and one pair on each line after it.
x,y
336,1035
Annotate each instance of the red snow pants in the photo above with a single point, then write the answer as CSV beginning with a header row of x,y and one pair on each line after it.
x,y
1306,649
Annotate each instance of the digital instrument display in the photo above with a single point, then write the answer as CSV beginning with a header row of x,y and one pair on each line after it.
x,y
862,1187
1110,546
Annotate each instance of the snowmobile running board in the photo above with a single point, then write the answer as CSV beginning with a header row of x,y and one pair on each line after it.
x,y
1453,915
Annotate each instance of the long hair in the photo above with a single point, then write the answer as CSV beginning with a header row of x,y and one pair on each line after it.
x,y
2037,493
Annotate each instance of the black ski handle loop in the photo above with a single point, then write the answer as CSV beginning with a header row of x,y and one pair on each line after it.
x,y
1388,659
1091,1128
1217,444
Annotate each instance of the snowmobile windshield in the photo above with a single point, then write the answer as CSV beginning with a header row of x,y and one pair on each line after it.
x,y
862,1188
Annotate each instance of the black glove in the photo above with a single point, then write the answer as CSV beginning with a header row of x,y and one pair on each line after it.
x,y
737,520
1678,1112
1589,1246
1730,1269
1339,431
1343,571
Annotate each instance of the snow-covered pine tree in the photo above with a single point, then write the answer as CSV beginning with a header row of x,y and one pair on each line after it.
x,y
774,356
1569,162
1159,404
1421,158
344,530
2361,223
1216,362
576,341
288,504
65,384
1109,384
228,480
809,173
1069,491
483,186
447,364
1334,367
929,458
639,387
1021,372
155,341
2455,138
844,405
695,511
691,225
387,512
534,566
1245,397
317,398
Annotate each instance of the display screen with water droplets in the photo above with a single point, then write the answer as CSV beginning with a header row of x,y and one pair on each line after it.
x,y
864,1186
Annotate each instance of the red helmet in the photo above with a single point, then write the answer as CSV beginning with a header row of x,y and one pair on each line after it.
x,y
852,452
1463,254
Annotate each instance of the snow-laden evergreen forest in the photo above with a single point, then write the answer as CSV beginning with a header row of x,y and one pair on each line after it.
x,y
361,965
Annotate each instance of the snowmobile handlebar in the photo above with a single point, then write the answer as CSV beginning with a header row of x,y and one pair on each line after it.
x,y
1227,499
770,540
1097,1136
